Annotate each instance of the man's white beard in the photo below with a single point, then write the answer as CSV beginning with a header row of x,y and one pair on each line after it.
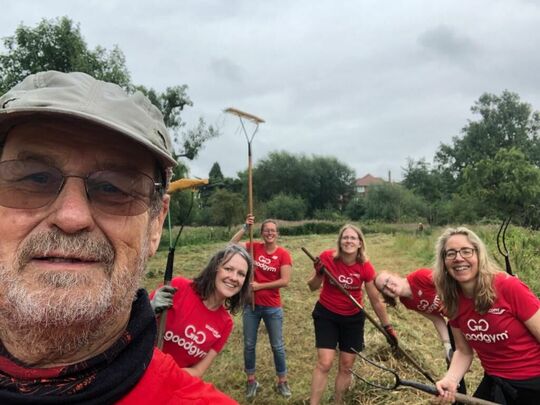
x,y
68,310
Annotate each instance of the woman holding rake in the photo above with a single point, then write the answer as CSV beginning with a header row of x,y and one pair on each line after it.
x,y
492,313
338,322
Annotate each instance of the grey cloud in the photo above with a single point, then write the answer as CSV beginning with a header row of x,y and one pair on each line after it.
x,y
444,41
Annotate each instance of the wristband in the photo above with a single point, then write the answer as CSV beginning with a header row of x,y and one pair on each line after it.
x,y
245,227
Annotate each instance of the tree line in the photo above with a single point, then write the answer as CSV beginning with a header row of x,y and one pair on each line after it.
x,y
489,172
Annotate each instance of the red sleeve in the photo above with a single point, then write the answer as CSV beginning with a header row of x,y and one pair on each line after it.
x,y
523,301
285,257
368,272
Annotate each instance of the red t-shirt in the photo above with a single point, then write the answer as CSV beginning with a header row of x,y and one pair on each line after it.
x,y
503,343
267,269
192,329
165,383
350,277
424,295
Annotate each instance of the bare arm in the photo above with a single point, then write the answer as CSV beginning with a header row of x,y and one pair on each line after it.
x,y
376,302
533,324
315,282
197,370
283,281
461,361
237,237
440,325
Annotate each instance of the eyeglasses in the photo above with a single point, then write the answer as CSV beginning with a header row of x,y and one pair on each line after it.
x,y
463,252
385,285
30,184
352,238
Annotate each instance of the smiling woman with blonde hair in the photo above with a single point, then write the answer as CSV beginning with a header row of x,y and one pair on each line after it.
x,y
493,313
338,322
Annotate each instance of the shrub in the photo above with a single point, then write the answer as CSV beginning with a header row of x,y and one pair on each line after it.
x,y
283,206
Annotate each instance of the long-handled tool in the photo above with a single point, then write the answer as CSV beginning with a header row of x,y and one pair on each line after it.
x,y
392,381
256,120
504,253
175,186
392,343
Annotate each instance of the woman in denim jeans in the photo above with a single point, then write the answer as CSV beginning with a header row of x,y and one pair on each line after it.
x,y
272,271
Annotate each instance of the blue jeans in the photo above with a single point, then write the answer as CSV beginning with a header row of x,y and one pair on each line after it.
x,y
273,320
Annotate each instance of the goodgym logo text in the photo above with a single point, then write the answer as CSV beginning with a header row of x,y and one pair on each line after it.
x,y
478,329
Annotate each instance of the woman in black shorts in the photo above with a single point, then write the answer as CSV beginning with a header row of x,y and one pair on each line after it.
x,y
338,322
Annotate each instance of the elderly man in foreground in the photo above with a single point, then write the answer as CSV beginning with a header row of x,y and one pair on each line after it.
x,y
83,172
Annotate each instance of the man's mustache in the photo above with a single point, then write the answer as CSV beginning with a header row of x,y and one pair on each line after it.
x,y
80,246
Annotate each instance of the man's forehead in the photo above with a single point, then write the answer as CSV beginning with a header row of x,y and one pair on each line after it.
x,y
55,140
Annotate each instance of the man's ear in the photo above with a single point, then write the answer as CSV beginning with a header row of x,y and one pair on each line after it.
x,y
156,227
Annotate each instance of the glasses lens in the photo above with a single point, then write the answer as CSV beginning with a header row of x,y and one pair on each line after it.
x,y
120,192
450,254
463,252
28,184
466,252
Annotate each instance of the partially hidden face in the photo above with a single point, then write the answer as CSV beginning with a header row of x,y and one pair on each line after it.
x,y
462,269
390,284
231,276
67,261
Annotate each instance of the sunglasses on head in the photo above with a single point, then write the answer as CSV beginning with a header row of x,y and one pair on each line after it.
x,y
30,184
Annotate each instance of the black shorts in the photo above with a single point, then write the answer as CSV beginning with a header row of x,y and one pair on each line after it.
x,y
333,330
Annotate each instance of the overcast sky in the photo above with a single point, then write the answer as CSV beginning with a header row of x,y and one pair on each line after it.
x,y
369,82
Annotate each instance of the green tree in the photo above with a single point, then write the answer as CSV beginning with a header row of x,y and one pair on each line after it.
x,y
356,208
58,44
505,122
215,175
394,203
226,208
507,185
425,181
283,206
322,182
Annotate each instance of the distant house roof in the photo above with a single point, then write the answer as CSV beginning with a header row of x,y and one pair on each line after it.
x,y
368,180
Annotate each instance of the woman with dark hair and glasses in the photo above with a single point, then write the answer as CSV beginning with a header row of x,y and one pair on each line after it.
x,y
493,313
338,322
198,320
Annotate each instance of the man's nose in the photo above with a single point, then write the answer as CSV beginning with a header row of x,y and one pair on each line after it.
x,y
71,209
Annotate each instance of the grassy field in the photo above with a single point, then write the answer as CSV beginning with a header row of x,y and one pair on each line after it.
x,y
401,253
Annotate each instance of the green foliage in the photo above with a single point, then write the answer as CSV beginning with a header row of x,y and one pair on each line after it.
x,y
328,214
322,182
425,181
356,208
508,184
57,44
393,203
310,228
226,208
215,175
287,207
505,122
